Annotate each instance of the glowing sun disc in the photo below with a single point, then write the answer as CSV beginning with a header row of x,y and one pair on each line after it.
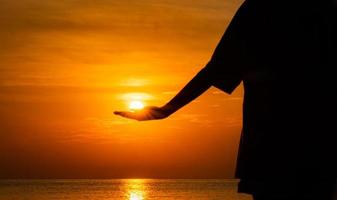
x,y
136,105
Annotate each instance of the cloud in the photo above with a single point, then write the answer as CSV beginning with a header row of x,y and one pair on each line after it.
x,y
107,123
72,42
170,92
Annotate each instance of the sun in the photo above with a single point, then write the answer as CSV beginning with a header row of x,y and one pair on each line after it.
x,y
136,105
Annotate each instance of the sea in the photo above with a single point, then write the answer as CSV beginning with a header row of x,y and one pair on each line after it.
x,y
120,189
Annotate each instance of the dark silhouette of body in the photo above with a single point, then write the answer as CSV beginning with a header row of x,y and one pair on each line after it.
x,y
284,52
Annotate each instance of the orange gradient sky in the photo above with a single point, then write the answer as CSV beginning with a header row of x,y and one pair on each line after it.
x,y
66,65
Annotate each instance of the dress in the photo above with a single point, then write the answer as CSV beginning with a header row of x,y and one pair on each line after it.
x,y
285,57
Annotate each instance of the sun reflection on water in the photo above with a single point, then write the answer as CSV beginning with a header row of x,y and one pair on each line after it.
x,y
136,195
135,189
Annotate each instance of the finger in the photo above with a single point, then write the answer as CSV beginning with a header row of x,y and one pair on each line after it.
x,y
121,113
127,114
117,112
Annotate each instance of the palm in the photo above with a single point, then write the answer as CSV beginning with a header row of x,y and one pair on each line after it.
x,y
148,113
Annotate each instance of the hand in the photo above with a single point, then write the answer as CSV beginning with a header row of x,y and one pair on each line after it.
x,y
147,113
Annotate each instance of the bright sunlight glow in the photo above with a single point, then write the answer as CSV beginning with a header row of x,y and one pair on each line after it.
x,y
136,196
136,105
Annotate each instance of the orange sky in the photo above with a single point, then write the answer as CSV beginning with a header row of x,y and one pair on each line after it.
x,y
66,65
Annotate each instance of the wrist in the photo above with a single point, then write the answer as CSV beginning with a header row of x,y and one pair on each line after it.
x,y
168,109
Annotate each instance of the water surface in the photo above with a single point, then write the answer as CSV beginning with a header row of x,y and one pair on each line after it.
x,y
120,189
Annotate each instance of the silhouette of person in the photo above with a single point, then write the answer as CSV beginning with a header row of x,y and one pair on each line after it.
x,y
284,53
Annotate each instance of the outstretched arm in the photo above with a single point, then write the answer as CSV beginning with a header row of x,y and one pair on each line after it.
x,y
198,85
